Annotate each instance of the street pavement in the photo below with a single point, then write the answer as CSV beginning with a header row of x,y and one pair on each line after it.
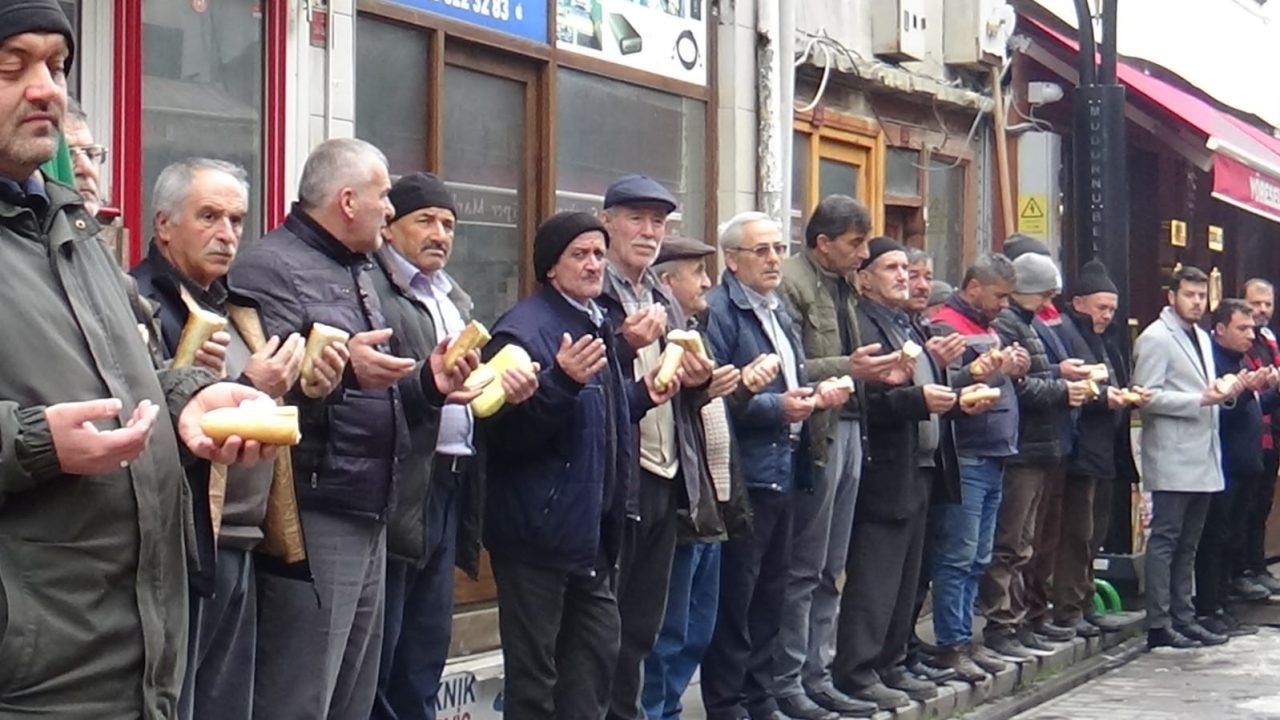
x,y
1236,681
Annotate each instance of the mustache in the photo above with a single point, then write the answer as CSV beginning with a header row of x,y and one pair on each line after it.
x,y
434,245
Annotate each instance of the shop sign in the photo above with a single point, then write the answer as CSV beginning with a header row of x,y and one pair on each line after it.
x,y
522,18
463,696
1246,188
666,37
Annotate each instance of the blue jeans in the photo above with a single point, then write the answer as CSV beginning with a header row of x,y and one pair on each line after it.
x,y
692,598
963,537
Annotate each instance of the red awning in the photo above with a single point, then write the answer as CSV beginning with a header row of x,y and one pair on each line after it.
x,y
1246,161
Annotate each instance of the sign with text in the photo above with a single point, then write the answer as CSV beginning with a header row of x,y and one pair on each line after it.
x,y
1032,218
666,37
1246,188
522,18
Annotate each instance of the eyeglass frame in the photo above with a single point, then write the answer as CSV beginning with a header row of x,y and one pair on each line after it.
x,y
762,250
89,151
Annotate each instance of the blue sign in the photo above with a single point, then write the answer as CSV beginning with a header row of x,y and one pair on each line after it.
x,y
522,18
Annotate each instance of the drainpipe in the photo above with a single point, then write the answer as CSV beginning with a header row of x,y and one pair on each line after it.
x,y
770,186
787,54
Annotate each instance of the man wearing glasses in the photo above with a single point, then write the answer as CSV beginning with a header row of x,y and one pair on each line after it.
x,y
86,156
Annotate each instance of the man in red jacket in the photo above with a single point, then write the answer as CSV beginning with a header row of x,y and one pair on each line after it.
x,y
1251,559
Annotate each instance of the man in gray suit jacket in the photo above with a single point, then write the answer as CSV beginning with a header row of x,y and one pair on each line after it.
x,y
1181,456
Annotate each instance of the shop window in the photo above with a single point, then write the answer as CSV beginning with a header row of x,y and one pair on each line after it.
x,y
945,219
799,188
202,94
607,128
392,74
902,173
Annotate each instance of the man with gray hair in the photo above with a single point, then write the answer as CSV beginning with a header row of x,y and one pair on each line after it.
x,y
320,659
749,318
200,209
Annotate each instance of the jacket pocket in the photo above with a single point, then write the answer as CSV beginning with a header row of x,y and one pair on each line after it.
x,y
17,627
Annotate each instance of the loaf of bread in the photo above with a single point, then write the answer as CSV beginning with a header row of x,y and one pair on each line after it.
x,y
845,382
690,340
977,395
1097,373
910,350
268,424
493,396
672,356
321,337
473,337
991,358
201,325
1225,383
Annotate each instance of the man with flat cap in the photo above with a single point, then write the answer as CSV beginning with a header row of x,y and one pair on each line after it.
x,y
559,467
670,465
426,533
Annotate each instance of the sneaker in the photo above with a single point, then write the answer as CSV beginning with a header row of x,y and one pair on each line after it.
x,y
1168,637
1201,635
987,660
1244,587
956,659
1268,581
1055,632
1033,643
1005,643
897,678
1235,628
885,698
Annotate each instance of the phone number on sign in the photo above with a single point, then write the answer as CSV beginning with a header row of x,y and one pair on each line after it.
x,y
496,9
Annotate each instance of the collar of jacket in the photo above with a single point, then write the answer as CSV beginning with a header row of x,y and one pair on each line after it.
x,y
579,322
1023,314
311,233
404,284
1235,357
737,294
883,313
171,279
957,303
60,197
824,275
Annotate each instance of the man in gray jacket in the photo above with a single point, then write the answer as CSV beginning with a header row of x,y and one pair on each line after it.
x,y
1181,454
93,512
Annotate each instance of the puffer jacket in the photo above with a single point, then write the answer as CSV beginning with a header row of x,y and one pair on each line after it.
x,y
993,434
353,439
1042,399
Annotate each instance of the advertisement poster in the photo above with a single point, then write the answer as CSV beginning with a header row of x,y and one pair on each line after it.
x,y
522,18
666,37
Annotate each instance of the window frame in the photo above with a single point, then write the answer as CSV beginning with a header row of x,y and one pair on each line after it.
x,y
847,137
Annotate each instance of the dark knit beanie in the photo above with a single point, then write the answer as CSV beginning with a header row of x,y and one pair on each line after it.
x,y
420,190
26,16
555,234
1017,245
879,246
1093,278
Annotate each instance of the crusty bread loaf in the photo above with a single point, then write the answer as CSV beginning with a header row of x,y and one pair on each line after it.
x,y
978,395
672,356
690,340
321,337
269,425
473,337
201,325
493,396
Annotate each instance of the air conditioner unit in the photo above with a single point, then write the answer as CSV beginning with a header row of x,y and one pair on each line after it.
x,y
898,29
975,33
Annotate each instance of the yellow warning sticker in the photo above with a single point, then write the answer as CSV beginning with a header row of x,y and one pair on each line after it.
x,y
1032,218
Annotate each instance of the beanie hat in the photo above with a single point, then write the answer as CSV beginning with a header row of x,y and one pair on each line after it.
x,y
555,234
1016,245
419,190
879,246
939,291
1036,274
25,16
1093,278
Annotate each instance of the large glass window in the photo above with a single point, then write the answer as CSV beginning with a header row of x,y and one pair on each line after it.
x,y
392,69
607,128
800,201
944,234
202,91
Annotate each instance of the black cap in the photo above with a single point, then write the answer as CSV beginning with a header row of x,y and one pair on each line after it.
x,y
879,246
1093,278
639,190
25,16
675,247
420,190
555,234
1016,245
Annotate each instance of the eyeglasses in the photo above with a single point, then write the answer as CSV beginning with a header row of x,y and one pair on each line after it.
x,y
95,153
762,251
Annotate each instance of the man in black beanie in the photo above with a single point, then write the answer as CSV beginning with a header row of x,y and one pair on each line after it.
x,y
559,468
435,519
93,576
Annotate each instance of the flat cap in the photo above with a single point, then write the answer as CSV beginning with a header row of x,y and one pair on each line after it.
x,y
639,190
682,248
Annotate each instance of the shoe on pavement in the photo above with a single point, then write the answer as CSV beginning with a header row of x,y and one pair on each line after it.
x,y
1085,629
770,715
899,679
1244,587
885,698
1106,623
1005,643
800,707
1218,625
1201,635
924,648
1168,637
987,660
1033,643
1267,580
1054,632
937,676
956,659
1235,628
837,702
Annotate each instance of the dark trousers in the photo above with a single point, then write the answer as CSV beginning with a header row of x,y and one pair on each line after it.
x,y
1258,508
643,579
419,620
1177,519
1039,574
1104,492
914,644
876,610
737,670
1220,541
1072,569
220,651
559,641
1002,590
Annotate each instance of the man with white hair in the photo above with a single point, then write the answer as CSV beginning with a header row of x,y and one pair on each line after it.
x,y
320,659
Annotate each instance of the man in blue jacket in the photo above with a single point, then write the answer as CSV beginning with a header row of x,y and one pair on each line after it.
x,y
559,468
747,319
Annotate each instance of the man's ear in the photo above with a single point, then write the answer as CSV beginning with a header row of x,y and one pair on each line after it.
x,y
163,227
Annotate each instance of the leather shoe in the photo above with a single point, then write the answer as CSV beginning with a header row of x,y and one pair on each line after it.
x,y
1234,626
837,702
987,660
771,715
1086,629
938,676
1218,625
1055,632
1168,637
1268,581
956,659
1005,644
899,679
1243,587
885,698
1106,623
1202,636
802,708
1033,643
